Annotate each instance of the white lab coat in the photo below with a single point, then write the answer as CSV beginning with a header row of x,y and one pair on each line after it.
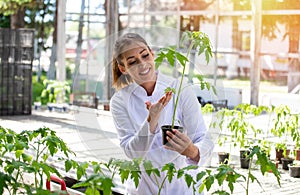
x,y
130,118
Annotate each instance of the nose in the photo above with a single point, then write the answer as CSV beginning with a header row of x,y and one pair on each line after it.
x,y
141,64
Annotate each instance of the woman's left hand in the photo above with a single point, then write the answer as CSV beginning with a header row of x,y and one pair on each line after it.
x,y
181,143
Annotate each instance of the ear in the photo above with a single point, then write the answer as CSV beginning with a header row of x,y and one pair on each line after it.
x,y
122,69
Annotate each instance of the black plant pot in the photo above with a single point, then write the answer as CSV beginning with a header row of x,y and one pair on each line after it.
x,y
223,157
279,154
294,171
286,162
245,162
165,129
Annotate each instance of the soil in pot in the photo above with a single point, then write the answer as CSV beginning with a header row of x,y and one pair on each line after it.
x,y
223,157
286,162
294,171
279,154
165,129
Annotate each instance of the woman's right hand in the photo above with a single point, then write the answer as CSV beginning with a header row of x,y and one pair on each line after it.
x,y
155,110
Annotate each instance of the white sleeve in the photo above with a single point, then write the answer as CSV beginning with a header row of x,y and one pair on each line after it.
x,y
194,124
135,143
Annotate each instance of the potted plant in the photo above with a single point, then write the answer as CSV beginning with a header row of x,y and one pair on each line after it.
x,y
294,169
295,133
220,119
285,128
55,92
197,41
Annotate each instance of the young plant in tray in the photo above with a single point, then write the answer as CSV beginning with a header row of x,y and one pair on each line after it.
x,y
197,41
25,159
284,128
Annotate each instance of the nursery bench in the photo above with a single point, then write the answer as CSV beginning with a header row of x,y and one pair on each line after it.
x,y
84,99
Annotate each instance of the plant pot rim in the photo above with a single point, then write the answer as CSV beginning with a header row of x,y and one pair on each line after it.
x,y
295,166
287,158
223,153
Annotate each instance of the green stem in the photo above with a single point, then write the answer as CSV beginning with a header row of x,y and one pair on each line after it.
x,y
162,184
180,85
248,178
36,158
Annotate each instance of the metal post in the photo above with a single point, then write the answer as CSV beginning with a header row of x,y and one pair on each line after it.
x,y
216,42
111,32
61,41
255,51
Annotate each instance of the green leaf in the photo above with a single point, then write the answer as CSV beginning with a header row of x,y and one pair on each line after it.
x,y
209,181
135,175
171,57
26,158
181,58
200,175
19,153
170,168
159,59
168,89
68,165
201,188
81,169
221,192
107,185
188,179
91,191
150,169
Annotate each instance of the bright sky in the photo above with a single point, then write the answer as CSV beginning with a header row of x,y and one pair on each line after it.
x,y
75,5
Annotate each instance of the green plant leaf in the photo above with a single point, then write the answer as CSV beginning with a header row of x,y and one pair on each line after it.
x,y
81,169
171,170
158,61
68,165
18,153
209,180
150,169
200,175
91,191
168,89
188,179
26,158
221,192
107,185
135,175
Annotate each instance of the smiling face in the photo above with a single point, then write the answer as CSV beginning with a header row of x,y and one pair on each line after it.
x,y
138,62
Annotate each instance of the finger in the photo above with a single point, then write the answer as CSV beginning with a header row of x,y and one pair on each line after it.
x,y
173,137
174,145
168,98
162,99
148,104
182,136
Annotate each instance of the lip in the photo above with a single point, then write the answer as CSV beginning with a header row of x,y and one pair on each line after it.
x,y
145,72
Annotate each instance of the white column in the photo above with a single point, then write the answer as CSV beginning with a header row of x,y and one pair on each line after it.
x,y
255,51
61,41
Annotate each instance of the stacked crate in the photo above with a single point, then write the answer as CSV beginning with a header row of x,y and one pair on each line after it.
x,y
16,56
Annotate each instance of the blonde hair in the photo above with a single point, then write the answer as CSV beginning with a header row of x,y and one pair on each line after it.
x,y
122,80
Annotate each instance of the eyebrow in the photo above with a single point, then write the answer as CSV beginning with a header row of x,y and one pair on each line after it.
x,y
133,56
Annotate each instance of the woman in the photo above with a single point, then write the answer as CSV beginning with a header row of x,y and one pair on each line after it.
x,y
140,106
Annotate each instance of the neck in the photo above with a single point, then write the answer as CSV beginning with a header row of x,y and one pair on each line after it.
x,y
149,87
